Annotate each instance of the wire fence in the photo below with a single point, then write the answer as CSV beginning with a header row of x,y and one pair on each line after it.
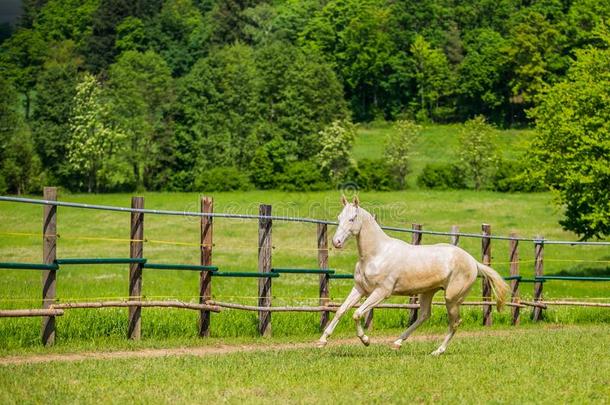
x,y
286,219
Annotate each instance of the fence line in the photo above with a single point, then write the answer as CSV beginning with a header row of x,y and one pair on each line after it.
x,y
282,218
137,262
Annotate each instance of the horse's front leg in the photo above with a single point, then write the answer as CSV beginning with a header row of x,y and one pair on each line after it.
x,y
375,298
351,300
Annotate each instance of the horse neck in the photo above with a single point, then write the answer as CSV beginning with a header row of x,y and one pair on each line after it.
x,y
371,237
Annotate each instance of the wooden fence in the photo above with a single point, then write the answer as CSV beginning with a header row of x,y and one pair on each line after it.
x,y
265,274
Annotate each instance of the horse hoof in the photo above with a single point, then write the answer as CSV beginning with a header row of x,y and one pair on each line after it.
x,y
365,340
321,343
437,352
396,346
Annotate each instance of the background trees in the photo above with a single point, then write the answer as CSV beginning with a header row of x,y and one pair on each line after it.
x,y
573,142
254,87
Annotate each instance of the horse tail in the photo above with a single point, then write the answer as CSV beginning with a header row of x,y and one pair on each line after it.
x,y
498,285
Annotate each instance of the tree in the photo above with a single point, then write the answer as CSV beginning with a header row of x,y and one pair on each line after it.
x,y
55,92
483,75
141,88
477,150
299,94
335,158
572,145
21,59
355,36
398,148
433,77
19,164
95,142
218,114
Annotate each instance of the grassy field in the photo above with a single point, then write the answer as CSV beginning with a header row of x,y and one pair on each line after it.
x,y
567,364
85,233
437,144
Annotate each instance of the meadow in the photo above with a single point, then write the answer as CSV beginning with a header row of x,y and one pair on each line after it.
x,y
536,364
86,233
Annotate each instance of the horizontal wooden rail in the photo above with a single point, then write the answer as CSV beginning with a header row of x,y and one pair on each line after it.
x,y
19,313
120,304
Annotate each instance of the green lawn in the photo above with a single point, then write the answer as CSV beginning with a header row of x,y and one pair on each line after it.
x,y
437,144
235,249
567,364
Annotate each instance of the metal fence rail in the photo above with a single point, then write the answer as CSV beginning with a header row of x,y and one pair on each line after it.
x,y
283,218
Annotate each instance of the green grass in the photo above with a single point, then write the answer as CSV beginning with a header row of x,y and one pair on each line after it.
x,y
437,144
235,250
531,365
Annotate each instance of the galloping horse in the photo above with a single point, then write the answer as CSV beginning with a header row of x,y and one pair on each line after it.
x,y
389,266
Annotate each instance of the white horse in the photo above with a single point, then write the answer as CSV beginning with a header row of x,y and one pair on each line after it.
x,y
389,266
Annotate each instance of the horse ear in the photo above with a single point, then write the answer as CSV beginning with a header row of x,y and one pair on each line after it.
x,y
343,200
356,201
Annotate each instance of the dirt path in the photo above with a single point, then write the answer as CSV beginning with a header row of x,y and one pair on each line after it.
x,y
203,351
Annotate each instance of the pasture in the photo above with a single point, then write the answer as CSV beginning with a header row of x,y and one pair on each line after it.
x,y
85,233
531,364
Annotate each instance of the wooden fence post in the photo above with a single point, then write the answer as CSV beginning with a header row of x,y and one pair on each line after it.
x,y
49,254
538,272
136,246
514,272
415,240
205,277
264,266
486,285
322,239
455,239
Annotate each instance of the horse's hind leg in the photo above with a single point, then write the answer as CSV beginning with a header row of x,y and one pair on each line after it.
x,y
425,310
375,298
453,312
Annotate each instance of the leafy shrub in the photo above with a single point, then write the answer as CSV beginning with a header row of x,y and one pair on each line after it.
x,y
373,175
303,176
442,176
514,176
222,179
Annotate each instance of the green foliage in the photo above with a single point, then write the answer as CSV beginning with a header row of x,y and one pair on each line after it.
x,y
95,143
19,164
477,150
55,91
433,78
21,59
373,174
573,143
141,91
222,179
515,176
399,149
303,176
442,176
335,157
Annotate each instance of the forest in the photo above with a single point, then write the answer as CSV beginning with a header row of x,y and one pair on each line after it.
x,y
118,95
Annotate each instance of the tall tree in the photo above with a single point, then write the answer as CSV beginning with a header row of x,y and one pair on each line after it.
x,y
21,59
477,150
572,147
398,148
95,142
434,79
55,92
141,88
